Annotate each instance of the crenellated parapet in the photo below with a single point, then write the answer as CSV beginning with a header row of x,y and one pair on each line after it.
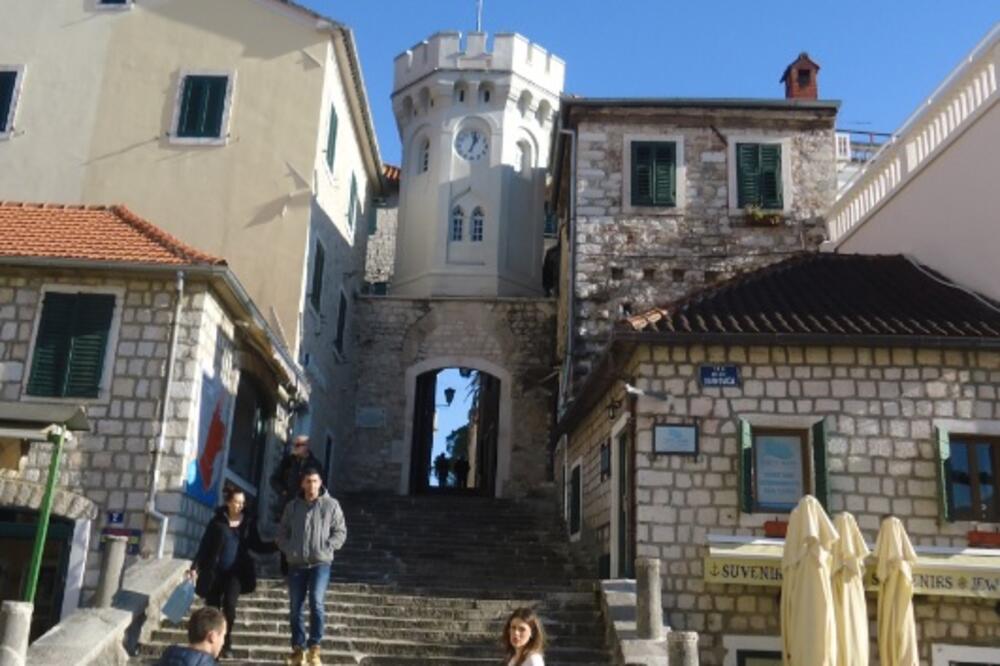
x,y
449,51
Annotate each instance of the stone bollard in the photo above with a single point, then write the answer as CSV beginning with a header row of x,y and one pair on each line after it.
x,y
15,625
649,604
111,570
682,648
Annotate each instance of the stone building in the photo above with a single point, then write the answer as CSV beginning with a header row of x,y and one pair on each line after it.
x,y
465,292
381,249
659,197
241,127
184,383
867,381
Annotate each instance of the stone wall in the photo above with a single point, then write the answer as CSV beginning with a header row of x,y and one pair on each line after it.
x,y
629,260
880,407
382,244
396,334
112,464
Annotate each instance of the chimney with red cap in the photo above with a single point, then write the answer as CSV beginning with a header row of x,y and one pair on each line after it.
x,y
800,78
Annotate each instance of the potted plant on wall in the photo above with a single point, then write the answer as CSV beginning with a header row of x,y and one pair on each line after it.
x,y
756,216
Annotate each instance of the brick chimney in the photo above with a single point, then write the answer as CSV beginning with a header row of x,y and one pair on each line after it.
x,y
800,78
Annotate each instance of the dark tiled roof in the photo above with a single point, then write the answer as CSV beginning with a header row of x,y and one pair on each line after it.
x,y
92,233
824,295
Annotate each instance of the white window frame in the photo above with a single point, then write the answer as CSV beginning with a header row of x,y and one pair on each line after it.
x,y
227,108
103,7
11,125
944,654
680,174
482,225
733,138
110,352
613,451
574,536
734,644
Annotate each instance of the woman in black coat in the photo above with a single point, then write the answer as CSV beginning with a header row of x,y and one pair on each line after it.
x,y
223,568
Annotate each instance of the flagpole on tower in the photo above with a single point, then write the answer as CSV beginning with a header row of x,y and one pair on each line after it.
x,y
479,15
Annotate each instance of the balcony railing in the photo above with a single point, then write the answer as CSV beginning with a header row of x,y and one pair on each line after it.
x,y
968,92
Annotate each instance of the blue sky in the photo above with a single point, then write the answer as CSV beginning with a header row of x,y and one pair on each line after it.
x,y
881,58
454,416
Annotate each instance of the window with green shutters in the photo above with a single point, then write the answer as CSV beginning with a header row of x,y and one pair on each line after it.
x,y
774,467
654,173
331,139
203,106
758,175
8,84
71,345
352,205
341,323
316,288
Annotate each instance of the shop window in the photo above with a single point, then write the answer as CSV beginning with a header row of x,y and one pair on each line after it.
x,y
758,658
779,466
970,473
70,345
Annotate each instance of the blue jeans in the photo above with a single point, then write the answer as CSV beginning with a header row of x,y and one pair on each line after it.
x,y
312,580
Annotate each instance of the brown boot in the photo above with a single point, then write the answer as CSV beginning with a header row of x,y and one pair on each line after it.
x,y
296,658
312,657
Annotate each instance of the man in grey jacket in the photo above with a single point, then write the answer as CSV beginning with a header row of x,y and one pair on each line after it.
x,y
312,527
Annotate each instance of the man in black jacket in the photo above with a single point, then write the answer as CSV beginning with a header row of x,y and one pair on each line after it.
x,y
206,633
286,479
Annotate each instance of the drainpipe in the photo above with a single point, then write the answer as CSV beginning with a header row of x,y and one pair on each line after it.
x,y
571,233
154,480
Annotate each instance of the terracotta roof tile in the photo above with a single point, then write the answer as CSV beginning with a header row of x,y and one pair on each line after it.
x,y
95,233
391,173
830,294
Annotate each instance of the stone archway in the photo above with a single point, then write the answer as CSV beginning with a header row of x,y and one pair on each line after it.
x,y
16,492
504,430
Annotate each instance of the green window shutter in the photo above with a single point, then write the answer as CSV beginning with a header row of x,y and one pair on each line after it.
x,y
747,174
822,480
331,138
203,101
341,323
745,467
944,466
642,174
52,345
89,345
372,220
352,204
316,292
664,174
770,176
7,82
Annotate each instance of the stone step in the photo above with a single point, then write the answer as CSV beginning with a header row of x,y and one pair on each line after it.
x,y
552,600
280,606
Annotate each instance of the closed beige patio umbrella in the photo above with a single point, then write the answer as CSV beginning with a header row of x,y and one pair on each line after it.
x,y
897,630
808,625
848,583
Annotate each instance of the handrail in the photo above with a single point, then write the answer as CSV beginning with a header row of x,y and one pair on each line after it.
x,y
965,94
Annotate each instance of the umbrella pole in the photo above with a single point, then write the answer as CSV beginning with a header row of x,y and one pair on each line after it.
x,y
43,519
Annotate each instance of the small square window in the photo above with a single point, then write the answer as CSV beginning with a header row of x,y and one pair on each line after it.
x,y
804,77
202,110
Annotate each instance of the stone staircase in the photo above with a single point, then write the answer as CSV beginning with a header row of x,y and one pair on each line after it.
x,y
429,581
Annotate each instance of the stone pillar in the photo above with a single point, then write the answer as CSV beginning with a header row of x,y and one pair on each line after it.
x,y
15,625
111,570
649,604
682,648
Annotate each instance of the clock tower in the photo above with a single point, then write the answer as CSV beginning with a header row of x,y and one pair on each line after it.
x,y
476,121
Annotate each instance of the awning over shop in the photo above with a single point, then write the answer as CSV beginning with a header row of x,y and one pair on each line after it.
x,y
969,572
33,421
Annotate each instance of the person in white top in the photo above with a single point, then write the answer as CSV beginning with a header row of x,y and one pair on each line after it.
x,y
524,639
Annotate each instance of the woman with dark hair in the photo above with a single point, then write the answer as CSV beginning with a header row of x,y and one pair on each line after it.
x,y
524,639
223,568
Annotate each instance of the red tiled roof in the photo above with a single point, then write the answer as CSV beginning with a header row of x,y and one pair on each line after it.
x,y
829,295
95,233
391,173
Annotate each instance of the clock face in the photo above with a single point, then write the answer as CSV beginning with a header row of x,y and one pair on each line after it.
x,y
471,144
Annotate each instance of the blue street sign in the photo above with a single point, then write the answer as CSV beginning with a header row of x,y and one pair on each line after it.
x,y
116,517
720,375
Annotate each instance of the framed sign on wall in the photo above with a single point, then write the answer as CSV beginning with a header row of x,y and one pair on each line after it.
x,y
675,439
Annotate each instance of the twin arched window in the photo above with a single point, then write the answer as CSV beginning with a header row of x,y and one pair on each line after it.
x,y
456,231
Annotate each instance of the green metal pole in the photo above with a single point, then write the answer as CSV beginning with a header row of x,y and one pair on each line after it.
x,y
43,518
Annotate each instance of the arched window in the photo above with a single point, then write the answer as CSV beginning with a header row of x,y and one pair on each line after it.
x,y
425,155
478,219
523,164
457,223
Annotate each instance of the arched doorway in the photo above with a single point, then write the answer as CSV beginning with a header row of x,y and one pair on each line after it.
x,y
458,428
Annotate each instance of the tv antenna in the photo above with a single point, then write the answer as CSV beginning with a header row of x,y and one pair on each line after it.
x,y
479,15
